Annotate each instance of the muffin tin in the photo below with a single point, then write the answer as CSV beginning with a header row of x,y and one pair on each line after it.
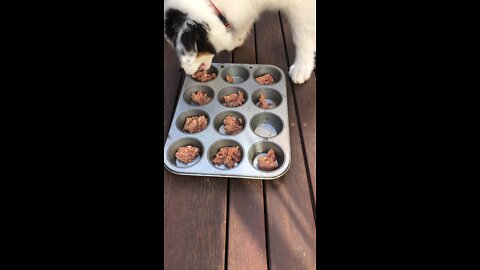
x,y
210,140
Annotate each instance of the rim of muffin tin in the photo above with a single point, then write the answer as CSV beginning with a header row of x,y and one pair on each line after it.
x,y
246,139
226,175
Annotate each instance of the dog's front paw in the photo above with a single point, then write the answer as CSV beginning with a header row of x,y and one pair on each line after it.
x,y
300,73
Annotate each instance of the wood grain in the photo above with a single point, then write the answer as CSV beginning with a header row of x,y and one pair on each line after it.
x,y
171,79
196,218
246,222
291,225
194,222
306,96
195,208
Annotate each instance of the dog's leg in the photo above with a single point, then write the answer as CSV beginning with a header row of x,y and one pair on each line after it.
x,y
302,21
239,39
241,34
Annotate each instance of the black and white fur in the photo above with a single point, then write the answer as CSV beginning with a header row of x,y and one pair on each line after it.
x,y
193,28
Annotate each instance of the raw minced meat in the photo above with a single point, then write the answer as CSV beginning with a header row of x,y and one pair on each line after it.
x,y
269,162
234,100
232,125
265,104
203,76
195,124
200,98
228,156
265,79
187,154
229,78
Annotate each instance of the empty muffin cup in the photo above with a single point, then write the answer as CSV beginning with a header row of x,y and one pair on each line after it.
x,y
272,97
220,127
260,149
266,125
187,96
228,91
182,118
237,73
215,147
276,75
183,142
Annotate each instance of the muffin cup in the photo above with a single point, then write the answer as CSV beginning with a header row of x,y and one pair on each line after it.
x,y
238,73
182,143
211,70
266,125
260,149
270,94
213,150
187,96
182,118
276,75
231,90
218,121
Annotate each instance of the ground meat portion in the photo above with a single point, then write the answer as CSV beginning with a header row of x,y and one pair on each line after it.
x,y
228,156
200,98
269,162
234,100
195,124
232,125
264,104
202,76
265,79
187,154
229,78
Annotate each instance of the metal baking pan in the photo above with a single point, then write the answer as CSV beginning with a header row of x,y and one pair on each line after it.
x,y
210,139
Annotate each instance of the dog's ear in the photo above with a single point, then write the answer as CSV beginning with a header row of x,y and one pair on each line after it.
x,y
195,38
173,21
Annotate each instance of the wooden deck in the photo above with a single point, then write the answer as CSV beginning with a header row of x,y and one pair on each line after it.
x,y
219,223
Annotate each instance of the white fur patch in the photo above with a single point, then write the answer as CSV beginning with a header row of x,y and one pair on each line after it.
x,y
241,15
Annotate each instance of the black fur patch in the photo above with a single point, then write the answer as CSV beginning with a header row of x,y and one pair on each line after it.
x,y
195,33
174,20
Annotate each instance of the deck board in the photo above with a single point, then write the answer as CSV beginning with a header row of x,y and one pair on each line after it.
x,y
236,224
171,80
195,208
305,96
246,226
291,225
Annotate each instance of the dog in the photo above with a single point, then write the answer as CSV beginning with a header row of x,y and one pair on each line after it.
x,y
198,29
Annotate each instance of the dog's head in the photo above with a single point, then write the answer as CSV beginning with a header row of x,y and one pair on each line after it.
x,y
190,40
